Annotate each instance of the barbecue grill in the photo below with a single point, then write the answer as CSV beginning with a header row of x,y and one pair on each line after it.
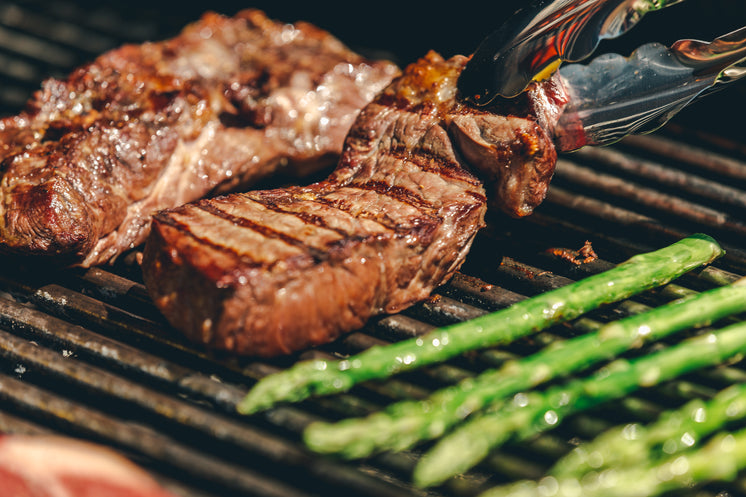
x,y
85,353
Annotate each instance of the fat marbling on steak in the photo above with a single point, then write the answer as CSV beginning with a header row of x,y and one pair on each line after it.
x,y
146,127
274,271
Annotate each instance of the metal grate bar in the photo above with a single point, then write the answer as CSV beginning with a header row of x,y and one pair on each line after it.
x,y
73,340
86,353
121,22
596,217
266,453
679,153
676,182
44,39
73,418
669,207
22,319
57,32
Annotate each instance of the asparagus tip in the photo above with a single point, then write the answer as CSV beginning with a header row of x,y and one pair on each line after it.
x,y
253,402
320,438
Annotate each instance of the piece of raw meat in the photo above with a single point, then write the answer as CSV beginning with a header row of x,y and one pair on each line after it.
x,y
52,466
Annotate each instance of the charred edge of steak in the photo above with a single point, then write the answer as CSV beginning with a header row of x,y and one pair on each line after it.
x,y
275,271
147,127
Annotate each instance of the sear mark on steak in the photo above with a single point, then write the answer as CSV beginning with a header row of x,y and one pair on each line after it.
x,y
147,127
275,271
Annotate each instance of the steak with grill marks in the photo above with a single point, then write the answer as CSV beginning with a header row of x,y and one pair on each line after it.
x,y
274,271
146,127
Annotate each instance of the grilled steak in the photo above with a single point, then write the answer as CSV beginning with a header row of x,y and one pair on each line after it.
x,y
274,271
152,126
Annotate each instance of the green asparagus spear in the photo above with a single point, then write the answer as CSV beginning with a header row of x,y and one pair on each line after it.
x,y
639,273
405,423
674,432
531,413
719,460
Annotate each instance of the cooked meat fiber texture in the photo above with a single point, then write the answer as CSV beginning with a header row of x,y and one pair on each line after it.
x,y
274,271
152,126
53,466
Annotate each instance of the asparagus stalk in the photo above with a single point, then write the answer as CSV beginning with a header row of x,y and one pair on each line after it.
x,y
719,460
674,432
531,413
404,424
639,273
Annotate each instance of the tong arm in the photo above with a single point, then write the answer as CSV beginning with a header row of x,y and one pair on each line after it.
x,y
537,39
614,96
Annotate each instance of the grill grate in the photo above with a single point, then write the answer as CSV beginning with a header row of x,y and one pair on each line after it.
x,y
85,353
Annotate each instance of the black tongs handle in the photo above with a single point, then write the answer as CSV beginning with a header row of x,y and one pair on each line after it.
x,y
533,42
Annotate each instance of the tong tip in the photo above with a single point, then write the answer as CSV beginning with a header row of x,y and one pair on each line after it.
x,y
533,43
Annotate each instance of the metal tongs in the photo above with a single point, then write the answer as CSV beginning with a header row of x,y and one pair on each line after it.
x,y
613,96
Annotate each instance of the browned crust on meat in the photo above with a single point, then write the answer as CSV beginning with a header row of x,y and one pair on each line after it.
x,y
151,126
275,271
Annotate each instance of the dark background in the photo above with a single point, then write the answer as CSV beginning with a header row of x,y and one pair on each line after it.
x,y
408,30
404,29
400,31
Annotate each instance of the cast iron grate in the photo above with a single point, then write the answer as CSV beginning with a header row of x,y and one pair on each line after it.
x,y
85,353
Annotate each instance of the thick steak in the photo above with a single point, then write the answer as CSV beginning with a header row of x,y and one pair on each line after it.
x,y
152,126
274,271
